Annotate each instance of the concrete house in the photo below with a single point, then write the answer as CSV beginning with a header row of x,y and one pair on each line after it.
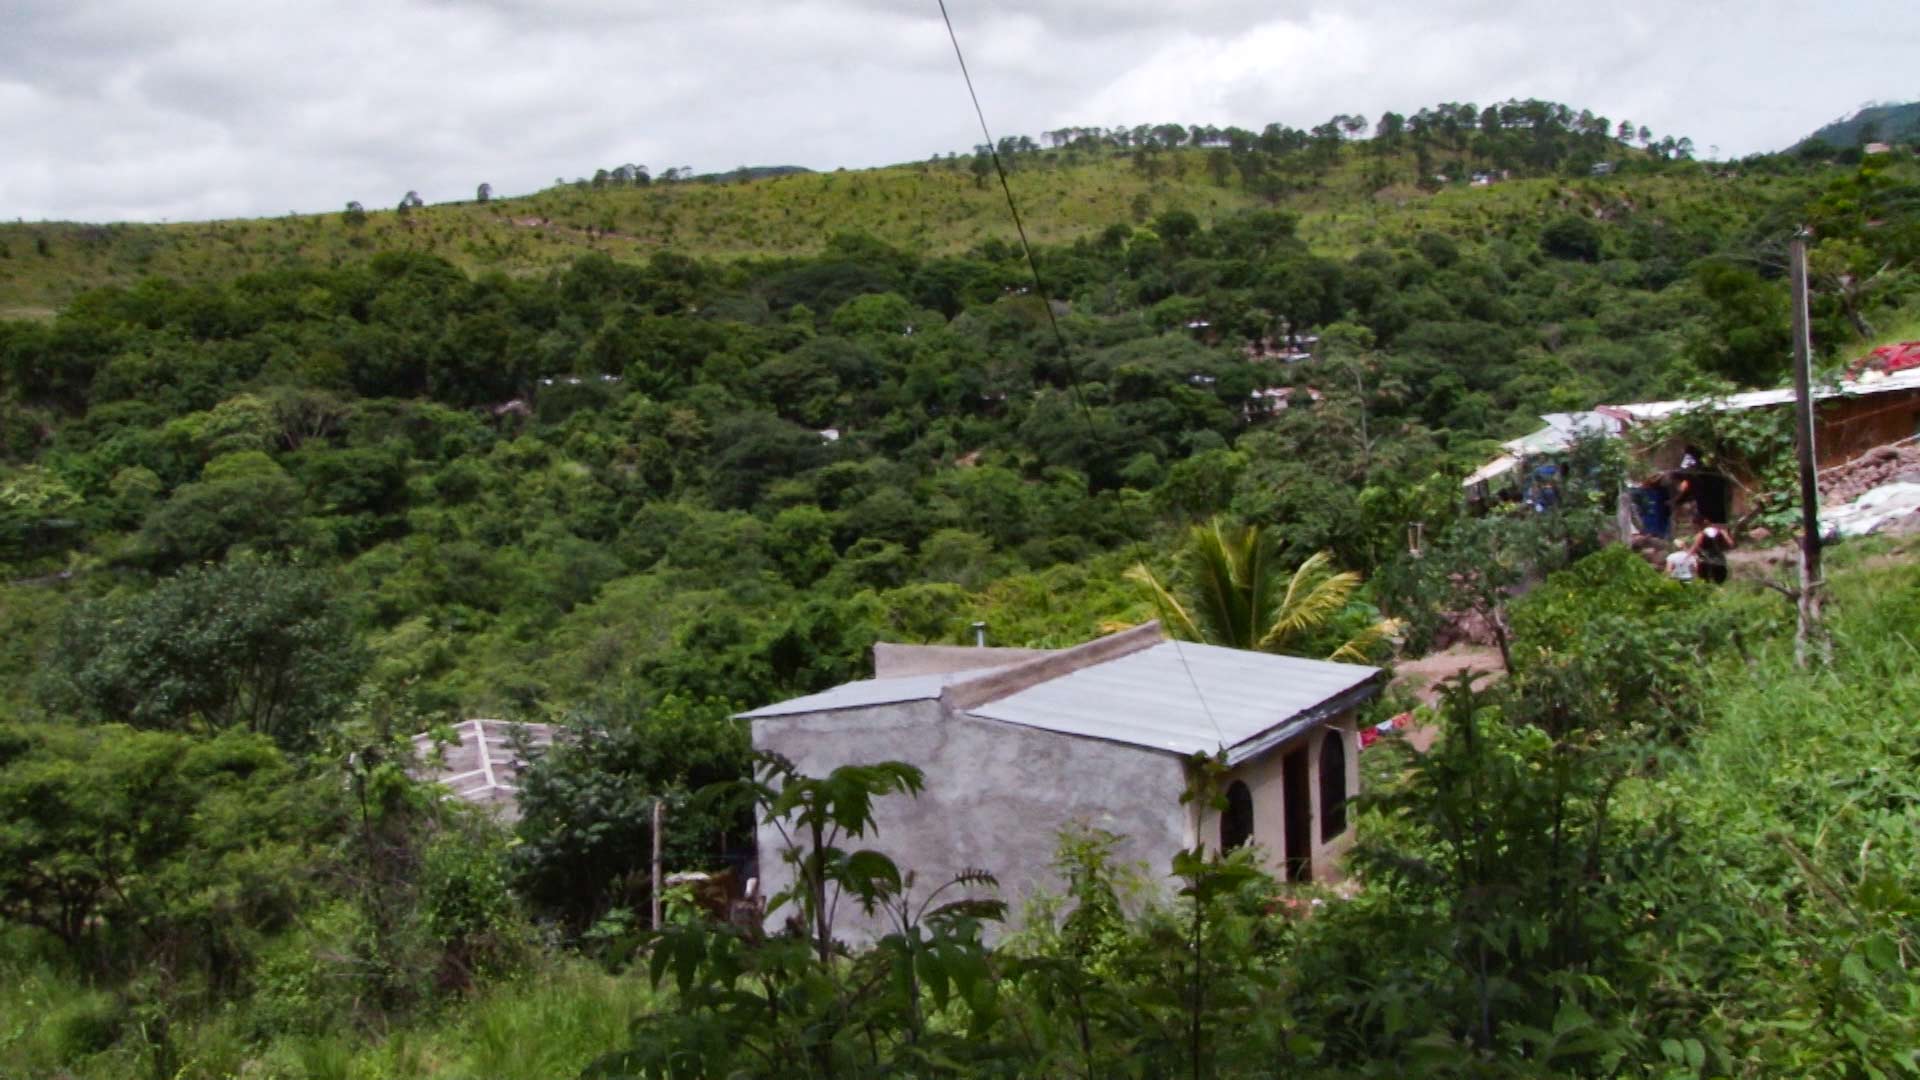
x,y
1019,745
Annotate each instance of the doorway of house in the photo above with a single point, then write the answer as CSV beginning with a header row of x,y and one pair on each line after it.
x,y
1713,496
1298,811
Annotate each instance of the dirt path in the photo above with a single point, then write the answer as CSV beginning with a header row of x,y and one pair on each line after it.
x,y
1424,676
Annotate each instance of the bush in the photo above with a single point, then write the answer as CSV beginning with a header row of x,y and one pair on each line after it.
x,y
1614,643
586,825
85,1025
466,906
251,645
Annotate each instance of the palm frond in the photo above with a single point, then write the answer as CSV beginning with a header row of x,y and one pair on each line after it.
x,y
1173,616
1213,574
1259,585
1313,596
1359,648
1235,596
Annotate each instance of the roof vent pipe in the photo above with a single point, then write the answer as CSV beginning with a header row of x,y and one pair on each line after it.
x,y
979,635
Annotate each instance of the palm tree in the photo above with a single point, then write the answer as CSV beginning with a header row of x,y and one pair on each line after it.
x,y
1237,596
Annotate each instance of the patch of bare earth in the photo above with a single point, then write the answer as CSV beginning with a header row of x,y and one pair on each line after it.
x,y
1424,677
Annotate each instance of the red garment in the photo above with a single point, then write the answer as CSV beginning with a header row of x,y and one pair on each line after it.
x,y
1369,736
1887,359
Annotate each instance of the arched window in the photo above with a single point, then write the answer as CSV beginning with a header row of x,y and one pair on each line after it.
x,y
1236,821
1333,785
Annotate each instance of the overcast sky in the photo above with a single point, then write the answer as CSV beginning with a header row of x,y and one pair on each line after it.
x,y
193,109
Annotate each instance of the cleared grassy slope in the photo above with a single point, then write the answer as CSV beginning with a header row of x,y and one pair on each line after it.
x,y
925,207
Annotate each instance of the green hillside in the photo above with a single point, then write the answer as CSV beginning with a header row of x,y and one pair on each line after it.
x,y
277,495
1359,193
928,208
1895,124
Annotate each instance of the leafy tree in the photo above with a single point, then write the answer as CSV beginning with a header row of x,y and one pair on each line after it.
x,y
1516,937
1481,563
1745,336
37,514
139,849
248,644
242,500
586,804
1571,236
754,449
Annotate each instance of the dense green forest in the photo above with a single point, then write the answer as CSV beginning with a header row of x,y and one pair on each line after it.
x,y
278,494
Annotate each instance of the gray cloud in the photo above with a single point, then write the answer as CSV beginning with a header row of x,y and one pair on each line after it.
x,y
145,109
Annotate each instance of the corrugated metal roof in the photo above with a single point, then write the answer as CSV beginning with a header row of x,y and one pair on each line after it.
x,y
1757,399
1148,698
1499,466
855,695
1559,434
480,766
1561,431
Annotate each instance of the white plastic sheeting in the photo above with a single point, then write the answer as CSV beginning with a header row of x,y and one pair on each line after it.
x,y
1870,513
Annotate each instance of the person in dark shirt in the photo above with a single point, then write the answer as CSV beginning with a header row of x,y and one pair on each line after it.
x,y
1711,548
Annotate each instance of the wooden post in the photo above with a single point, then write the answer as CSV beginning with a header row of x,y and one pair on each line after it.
x,y
659,817
1809,634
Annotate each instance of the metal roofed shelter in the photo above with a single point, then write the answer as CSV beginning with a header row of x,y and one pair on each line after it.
x,y
1854,415
1019,745
1556,437
480,766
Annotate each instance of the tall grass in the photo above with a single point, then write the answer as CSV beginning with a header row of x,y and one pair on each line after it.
x,y
931,208
924,207
1802,798
1792,748
546,1024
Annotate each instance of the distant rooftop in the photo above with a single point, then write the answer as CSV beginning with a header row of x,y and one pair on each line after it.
x,y
480,766
1563,428
1870,383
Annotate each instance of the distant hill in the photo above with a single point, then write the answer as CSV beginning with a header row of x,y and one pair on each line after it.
x,y
1347,192
1879,123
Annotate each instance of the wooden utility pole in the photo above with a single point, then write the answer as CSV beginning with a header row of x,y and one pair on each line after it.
x,y
1810,635
659,818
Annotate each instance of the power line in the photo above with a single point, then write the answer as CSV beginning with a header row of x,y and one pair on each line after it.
x,y
1198,696
1033,266
1040,290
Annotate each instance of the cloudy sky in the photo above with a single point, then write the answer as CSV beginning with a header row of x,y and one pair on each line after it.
x,y
192,109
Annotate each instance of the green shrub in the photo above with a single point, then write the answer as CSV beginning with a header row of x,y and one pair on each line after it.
x,y
85,1024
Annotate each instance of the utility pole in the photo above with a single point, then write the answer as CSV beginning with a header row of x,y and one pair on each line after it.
x,y
659,818
1360,395
1810,634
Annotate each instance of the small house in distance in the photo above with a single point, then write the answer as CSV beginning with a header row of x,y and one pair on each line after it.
x,y
1020,745
1875,404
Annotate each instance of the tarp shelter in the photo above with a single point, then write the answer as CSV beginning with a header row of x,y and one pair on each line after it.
x,y
1559,434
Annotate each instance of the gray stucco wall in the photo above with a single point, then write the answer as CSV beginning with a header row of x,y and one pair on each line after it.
x,y
997,797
